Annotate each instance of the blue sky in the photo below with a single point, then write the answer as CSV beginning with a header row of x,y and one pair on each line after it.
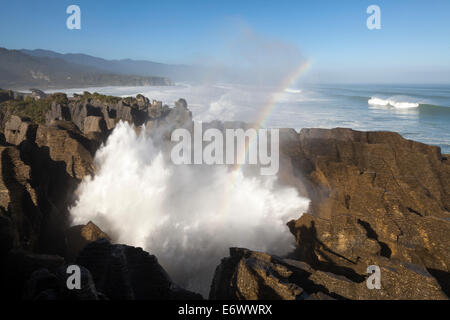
x,y
415,35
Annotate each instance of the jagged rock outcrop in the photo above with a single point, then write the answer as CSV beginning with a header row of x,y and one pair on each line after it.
x,y
41,165
40,169
79,236
124,272
20,215
99,113
18,129
95,124
376,197
18,266
250,275
107,272
38,94
93,114
44,284
6,95
178,117
67,144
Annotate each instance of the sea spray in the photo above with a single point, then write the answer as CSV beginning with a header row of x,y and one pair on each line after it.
x,y
188,216
397,102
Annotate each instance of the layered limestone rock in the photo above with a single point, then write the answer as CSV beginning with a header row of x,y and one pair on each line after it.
x,y
20,215
95,124
249,275
123,272
375,197
66,144
79,236
17,269
99,113
41,166
107,272
45,284
18,129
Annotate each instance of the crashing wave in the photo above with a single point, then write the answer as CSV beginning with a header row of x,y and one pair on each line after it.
x,y
288,90
391,102
188,216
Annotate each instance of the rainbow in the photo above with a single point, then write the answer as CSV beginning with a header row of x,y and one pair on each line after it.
x,y
266,111
269,107
263,115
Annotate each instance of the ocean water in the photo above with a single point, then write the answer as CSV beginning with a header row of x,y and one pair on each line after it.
x,y
417,112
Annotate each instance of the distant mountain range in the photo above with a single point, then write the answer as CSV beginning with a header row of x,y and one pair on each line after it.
x,y
22,69
144,68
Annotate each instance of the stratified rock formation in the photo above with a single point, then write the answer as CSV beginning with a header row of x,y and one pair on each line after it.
x,y
47,147
124,272
249,275
41,167
79,236
376,199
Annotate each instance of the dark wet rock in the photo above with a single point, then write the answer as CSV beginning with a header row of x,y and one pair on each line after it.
x,y
17,268
42,285
124,272
38,177
6,95
142,101
21,217
46,285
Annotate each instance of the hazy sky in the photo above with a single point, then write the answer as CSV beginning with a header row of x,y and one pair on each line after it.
x,y
412,44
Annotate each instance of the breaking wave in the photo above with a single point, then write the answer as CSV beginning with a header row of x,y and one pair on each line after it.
x,y
188,216
292,90
393,102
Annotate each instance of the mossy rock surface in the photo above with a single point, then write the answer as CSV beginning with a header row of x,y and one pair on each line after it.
x,y
34,109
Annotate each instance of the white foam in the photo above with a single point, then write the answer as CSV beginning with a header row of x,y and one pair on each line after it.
x,y
188,216
288,90
393,102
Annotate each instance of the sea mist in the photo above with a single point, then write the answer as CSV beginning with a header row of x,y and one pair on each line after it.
x,y
188,216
